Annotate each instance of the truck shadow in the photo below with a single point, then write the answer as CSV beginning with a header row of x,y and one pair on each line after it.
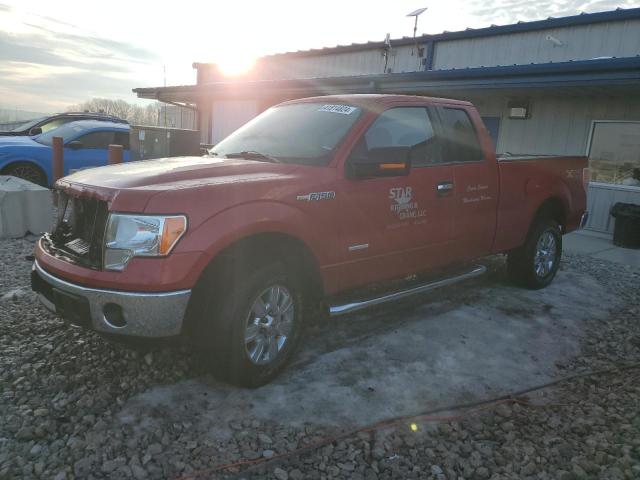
x,y
469,341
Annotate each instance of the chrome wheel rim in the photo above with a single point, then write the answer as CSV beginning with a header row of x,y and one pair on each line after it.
x,y
269,324
546,251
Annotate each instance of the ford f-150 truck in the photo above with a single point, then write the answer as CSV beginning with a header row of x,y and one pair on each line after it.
x,y
300,211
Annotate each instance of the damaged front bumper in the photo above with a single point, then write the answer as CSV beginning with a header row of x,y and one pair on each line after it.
x,y
110,311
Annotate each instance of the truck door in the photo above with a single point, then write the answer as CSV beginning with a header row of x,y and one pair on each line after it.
x,y
475,184
393,226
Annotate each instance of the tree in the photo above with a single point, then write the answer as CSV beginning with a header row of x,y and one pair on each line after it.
x,y
135,114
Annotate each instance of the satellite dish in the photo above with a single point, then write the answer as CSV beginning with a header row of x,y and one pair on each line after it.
x,y
417,12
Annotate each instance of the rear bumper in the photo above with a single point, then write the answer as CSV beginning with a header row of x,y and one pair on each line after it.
x,y
137,314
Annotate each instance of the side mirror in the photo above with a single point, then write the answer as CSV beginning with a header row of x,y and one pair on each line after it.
x,y
35,131
381,162
75,145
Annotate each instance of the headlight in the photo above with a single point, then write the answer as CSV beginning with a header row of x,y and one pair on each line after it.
x,y
131,236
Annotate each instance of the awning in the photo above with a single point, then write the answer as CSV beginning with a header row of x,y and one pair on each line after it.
x,y
593,74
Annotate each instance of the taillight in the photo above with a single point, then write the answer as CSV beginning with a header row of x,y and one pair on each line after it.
x,y
586,178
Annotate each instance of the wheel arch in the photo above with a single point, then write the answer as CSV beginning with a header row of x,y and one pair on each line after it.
x,y
4,168
552,207
289,249
293,252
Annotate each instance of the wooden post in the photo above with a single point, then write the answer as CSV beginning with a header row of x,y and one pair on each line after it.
x,y
58,158
115,154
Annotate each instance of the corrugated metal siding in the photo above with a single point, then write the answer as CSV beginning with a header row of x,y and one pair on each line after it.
x,y
342,64
561,124
365,62
229,115
611,39
601,198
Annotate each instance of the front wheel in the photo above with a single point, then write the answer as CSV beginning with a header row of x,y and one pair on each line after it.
x,y
535,264
253,324
27,171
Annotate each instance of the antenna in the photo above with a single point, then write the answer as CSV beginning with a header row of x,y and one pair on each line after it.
x,y
164,75
387,51
416,14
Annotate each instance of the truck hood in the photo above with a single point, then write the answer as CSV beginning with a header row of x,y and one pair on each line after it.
x,y
143,179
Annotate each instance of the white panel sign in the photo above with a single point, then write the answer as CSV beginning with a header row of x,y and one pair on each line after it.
x,y
343,109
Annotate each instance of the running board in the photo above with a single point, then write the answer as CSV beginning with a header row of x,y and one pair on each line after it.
x,y
337,310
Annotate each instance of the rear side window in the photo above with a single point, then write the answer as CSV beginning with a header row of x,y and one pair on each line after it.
x,y
460,138
122,138
97,140
403,128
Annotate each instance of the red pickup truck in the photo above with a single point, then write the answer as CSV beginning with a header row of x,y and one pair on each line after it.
x,y
303,207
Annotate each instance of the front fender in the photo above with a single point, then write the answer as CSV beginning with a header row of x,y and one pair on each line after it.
x,y
242,221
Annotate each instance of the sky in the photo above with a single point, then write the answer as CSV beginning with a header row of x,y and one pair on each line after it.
x,y
55,54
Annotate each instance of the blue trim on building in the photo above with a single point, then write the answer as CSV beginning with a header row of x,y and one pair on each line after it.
x,y
430,50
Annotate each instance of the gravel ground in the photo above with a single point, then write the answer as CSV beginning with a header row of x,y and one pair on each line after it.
x,y
61,390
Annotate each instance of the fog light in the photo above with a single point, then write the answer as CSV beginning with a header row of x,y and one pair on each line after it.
x,y
113,315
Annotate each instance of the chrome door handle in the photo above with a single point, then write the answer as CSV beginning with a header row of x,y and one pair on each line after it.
x,y
444,188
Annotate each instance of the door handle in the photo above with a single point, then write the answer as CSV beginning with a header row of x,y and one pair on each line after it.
x,y
444,188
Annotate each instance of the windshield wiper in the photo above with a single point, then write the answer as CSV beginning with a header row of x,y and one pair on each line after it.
x,y
253,155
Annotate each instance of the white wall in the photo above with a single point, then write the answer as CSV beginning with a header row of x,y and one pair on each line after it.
x,y
229,115
560,124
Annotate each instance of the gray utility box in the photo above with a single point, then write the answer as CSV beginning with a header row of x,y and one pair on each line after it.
x,y
159,142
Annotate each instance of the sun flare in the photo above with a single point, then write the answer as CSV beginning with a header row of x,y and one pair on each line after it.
x,y
235,63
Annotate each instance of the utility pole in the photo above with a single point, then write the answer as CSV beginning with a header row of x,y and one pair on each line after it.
x,y
164,69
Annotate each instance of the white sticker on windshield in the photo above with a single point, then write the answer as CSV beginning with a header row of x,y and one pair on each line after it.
x,y
343,109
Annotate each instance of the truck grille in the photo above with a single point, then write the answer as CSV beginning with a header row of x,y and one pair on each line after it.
x,y
78,234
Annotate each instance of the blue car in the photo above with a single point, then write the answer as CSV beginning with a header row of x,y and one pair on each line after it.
x,y
86,145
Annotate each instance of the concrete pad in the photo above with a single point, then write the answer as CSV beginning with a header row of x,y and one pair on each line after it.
x,y
581,243
601,247
468,342
24,208
624,256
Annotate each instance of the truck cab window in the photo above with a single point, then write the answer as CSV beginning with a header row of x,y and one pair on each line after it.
x,y
401,128
460,139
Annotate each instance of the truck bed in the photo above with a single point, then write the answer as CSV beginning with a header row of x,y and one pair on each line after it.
x,y
528,180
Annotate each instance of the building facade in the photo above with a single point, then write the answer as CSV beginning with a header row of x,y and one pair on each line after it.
x,y
557,86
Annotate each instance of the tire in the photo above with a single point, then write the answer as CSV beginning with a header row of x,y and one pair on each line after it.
x,y
238,308
535,264
27,171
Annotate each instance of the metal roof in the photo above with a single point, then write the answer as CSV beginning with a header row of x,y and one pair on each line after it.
x,y
607,71
619,14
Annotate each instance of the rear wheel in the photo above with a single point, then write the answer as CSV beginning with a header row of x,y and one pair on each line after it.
x,y
251,323
535,264
27,171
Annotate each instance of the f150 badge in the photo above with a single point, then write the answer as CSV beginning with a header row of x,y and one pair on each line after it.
x,y
310,197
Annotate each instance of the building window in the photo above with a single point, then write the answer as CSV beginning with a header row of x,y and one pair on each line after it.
x,y
614,153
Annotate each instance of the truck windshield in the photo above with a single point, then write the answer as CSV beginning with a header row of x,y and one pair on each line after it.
x,y
304,133
66,131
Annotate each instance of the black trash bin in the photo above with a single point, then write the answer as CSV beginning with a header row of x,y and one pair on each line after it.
x,y
627,228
